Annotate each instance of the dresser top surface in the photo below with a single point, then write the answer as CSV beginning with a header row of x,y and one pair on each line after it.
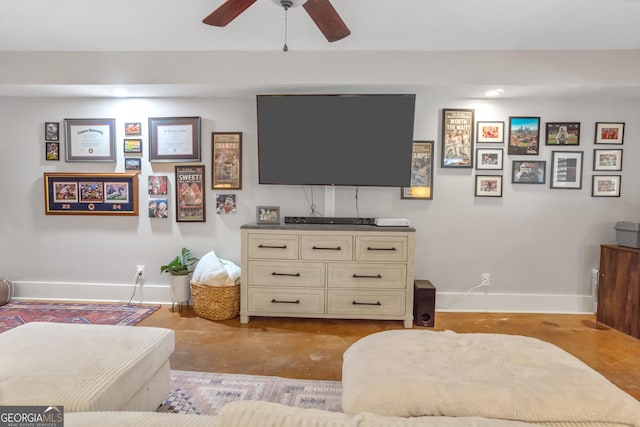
x,y
327,227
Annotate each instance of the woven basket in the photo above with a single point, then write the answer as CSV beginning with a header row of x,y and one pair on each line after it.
x,y
215,302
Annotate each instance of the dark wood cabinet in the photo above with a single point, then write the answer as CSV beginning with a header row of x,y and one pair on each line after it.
x,y
619,289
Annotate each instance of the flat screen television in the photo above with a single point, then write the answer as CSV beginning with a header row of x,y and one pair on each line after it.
x,y
347,140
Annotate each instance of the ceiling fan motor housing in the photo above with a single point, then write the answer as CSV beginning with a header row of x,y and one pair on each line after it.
x,y
289,3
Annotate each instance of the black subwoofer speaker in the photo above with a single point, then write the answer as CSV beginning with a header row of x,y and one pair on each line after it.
x,y
424,303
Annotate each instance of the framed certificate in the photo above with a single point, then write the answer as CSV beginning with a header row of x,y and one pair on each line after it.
x,y
174,139
90,140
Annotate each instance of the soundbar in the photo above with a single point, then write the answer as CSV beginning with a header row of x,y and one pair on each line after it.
x,y
328,220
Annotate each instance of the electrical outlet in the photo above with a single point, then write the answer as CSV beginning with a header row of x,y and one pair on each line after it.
x,y
486,279
140,271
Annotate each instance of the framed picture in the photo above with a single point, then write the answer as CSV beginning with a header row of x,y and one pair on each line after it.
x,y
528,171
133,128
490,132
609,133
566,169
268,214
190,197
563,133
524,135
158,208
90,140
157,185
132,163
489,158
457,138
606,185
174,139
607,160
227,160
488,186
91,193
421,172
225,204
52,131
52,151
132,145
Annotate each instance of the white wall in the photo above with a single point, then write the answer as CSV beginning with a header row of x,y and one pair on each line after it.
x,y
538,244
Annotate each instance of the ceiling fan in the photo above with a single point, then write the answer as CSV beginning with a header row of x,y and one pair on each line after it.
x,y
320,11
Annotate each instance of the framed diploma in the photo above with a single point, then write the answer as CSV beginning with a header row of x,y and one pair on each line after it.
x,y
90,140
174,139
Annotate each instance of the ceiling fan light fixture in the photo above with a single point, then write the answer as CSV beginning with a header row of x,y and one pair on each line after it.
x,y
289,3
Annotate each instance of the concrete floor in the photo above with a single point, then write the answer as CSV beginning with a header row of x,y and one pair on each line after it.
x,y
312,348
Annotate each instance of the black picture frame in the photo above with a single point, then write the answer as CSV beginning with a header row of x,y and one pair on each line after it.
x,y
489,159
174,139
524,136
457,138
528,172
421,172
90,140
607,159
609,133
562,133
51,131
606,185
488,186
190,193
566,170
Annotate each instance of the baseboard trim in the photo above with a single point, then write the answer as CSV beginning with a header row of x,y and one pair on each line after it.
x,y
445,301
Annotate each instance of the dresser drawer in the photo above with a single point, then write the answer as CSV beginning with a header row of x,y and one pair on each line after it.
x,y
367,275
273,246
327,248
286,273
381,248
391,303
285,300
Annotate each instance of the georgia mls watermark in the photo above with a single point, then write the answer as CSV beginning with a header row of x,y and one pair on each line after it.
x,y
31,416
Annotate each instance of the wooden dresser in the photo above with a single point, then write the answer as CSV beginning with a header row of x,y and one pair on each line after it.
x,y
619,289
327,271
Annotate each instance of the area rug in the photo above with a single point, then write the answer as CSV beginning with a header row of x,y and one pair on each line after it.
x,y
206,393
18,312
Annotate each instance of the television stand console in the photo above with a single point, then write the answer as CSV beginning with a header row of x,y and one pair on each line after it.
x,y
327,271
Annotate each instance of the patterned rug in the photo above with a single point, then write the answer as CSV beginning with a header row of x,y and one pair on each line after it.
x,y
205,393
17,313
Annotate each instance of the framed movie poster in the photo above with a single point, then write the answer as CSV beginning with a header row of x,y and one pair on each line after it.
x,y
90,140
174,139
563,133
421,172
524,136
190,197
457,138
566,169
69,193
227,160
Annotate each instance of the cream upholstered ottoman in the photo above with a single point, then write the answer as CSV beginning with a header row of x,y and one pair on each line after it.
x,y
85,367
412,373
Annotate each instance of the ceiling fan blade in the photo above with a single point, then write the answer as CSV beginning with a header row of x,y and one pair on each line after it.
x,y
327,19
227,12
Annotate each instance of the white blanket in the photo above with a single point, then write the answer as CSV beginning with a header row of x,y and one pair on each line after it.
x,y
411,373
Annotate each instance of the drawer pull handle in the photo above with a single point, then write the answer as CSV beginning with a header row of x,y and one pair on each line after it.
x,y
320,248
366,303
359,276
275,301
285,274
369,248
272,247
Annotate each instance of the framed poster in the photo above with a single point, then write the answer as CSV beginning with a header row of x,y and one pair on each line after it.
x,y
606,185
489,158
457,138
566,170
563,133
52,151
609,133
227,160
52,131
488,186
91,193
90,140
490,132
268,214
421,172
524,135
190,197
174,139
607,160
528,171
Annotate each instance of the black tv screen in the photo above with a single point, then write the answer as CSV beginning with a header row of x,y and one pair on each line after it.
x,y
354,140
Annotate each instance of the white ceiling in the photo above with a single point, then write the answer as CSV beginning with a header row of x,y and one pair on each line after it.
x,y
37,36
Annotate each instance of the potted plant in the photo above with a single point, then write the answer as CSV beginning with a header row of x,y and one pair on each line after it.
x,y
180,269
